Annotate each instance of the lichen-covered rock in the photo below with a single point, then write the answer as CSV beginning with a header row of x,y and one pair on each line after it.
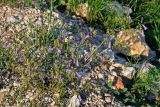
x,y
82,10
3,93
130,42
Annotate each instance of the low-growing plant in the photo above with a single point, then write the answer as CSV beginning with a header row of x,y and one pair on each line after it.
x,y
24,3
145,90
144,85
106,14
9,2
47,62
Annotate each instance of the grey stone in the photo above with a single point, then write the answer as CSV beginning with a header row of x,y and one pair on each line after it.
x,y
100,76
152,54
75,101
129,72
110,53
48,99
120,60
13,19
145,67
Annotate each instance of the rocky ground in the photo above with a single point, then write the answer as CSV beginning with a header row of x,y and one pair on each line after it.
x,y
114,70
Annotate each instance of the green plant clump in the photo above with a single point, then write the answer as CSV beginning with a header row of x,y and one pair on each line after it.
x,y
145,90
46,61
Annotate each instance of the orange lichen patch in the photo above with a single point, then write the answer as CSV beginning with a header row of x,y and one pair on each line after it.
x,y
119,84
118,65
139,49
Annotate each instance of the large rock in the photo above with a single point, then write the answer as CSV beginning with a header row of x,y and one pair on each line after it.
x,y
130,42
